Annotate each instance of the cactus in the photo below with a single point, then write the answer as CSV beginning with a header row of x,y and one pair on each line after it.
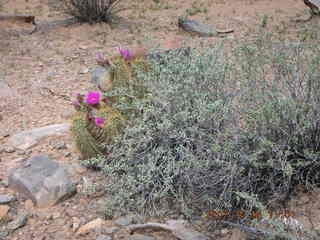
x,y
90,138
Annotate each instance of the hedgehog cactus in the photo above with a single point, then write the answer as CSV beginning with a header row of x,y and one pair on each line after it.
x,y
95,126
123,70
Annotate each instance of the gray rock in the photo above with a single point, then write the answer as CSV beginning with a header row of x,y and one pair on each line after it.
x,y
6,198
201,29
127,220
4,182
110,230
29,138
141,237
3,234
60,145
9,149
43,181
19,222
67,154
101,77
84,71
104,237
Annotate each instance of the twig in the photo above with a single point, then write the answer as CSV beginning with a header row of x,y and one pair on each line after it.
x,y
260,233
176,227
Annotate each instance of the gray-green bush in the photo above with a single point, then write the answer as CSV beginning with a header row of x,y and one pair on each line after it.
x,y
220,132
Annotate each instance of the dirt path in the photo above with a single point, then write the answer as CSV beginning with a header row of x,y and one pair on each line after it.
x,y
37,71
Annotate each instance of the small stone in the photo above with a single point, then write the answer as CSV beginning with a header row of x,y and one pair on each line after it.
x,y
127,220
95,224
55,215
6,198
103,237
141,237
4,209
9,149
110,230
21,153
4,182
3,234
19,222
83,47
75,224
303,200
102,77
60,146
67,154
28,204
224,231
84,71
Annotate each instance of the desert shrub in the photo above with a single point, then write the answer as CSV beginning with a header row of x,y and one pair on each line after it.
x,y
220,132
93,11
165,152
281,109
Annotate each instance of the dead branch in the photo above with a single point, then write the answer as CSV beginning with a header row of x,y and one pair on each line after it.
x,y
175,227
260,233
19,18
47,26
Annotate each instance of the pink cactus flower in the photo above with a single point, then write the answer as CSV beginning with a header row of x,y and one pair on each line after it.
x,y
99,121
92,98
126,54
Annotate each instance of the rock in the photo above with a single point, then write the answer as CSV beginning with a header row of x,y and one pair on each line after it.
x,y
75,224
102,78
84,71
110,230
127,220
67,154
28,205
60,146
103,237
124,221
141,237
20,153
6,198
4,209
3,234
19,222
4,182
42,180
95,224
29,138
182,231
9,149
201,29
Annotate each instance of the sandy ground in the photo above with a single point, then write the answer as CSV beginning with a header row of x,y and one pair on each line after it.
x,y
39,72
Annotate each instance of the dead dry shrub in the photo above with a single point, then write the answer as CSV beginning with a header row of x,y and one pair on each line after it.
x,y
93,11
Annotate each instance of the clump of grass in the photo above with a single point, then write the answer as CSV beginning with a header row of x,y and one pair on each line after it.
x,y
93,11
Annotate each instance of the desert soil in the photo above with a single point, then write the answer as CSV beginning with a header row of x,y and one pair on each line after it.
x,y
43,70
